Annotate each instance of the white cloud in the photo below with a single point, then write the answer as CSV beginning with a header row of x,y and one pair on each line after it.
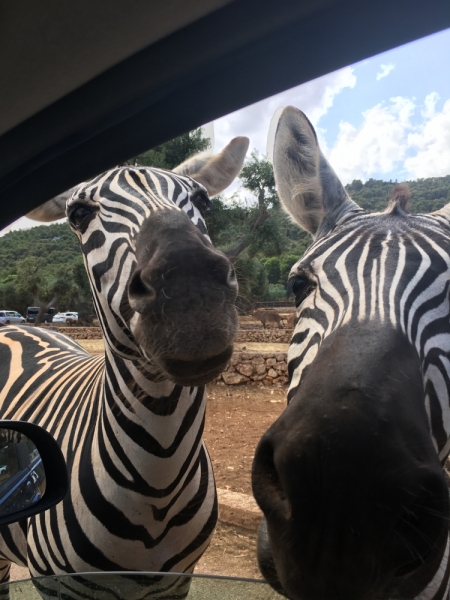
x,y
385,70
378,146
430,105
315,98
431,140
390,139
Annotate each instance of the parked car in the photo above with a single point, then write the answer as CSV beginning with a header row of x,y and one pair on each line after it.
x,y
10,316
3,469
66,317
33,311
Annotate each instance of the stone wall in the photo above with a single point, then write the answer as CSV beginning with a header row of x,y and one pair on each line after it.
x,y
255,368
250,368
277,336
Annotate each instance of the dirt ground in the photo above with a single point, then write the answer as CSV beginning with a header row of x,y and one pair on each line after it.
x,y
232,552
236,418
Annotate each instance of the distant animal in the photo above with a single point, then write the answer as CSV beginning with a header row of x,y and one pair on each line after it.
x,y
130,422
267,316
290,321
349,477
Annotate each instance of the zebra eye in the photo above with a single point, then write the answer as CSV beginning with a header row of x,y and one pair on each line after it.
x,y
201,201
78,213
300,286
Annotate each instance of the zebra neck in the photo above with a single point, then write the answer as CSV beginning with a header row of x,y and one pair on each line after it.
x,y
157,425
439,586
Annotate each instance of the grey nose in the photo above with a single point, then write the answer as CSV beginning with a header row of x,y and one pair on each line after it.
x,y
179,275
141,293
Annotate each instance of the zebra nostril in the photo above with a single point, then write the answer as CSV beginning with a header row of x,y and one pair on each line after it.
x,y
265,477
140,291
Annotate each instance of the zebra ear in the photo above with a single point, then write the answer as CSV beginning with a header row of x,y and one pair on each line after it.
x,y
53,209
216,172
307,185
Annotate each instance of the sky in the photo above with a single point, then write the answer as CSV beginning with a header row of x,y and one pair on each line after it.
x,y
387,117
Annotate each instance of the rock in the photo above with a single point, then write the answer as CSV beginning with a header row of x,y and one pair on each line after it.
x,y
258,360
246,369
233,378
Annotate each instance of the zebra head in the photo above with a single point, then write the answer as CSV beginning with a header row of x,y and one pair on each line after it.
x,y
349,477
164,295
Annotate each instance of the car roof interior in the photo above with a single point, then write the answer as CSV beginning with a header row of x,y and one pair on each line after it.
x,y
87,85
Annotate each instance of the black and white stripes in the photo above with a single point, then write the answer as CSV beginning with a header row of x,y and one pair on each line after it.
x,y
387,270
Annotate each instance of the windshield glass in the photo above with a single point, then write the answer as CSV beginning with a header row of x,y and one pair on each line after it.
x,y
115,585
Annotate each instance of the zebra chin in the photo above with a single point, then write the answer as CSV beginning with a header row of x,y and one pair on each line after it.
x,y
194,372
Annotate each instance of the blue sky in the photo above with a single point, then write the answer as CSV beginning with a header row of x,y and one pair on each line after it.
x,y
387,117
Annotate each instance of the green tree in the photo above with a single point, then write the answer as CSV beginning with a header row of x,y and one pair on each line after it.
x,y
257,177
251,276
31,280
171,154
287,261
10,298
257,229
30,276
272,266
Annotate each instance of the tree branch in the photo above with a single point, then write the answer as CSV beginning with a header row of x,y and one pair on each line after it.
x,y
262,216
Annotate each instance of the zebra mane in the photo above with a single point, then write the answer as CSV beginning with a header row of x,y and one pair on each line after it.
x,y
399,201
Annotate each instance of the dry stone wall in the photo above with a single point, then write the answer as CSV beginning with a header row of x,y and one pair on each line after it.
x,y
277,336
274,336
244,368
255,368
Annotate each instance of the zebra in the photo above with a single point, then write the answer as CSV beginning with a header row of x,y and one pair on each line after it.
x,y
350,476
142,495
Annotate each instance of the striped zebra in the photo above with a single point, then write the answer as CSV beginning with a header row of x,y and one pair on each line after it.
x,y
350,476
130,422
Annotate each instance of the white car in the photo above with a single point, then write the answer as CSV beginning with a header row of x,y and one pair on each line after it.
x,y
10,316
66,317
4,469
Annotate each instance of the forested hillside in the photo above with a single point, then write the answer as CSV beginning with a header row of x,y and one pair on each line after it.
x,y
55,242
426,194
44,264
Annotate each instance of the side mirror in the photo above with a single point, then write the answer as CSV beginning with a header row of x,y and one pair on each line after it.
x,y
33,474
